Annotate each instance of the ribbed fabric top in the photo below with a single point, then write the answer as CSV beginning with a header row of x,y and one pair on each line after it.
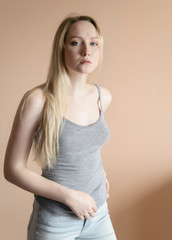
x,y
79,166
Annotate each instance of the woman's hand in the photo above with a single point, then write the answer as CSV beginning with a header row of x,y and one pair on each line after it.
x,y
107,186
82,204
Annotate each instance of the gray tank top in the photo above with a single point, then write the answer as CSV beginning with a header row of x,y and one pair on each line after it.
x,y
79,166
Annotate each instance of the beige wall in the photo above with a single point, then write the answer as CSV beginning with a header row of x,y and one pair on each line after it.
x,y
137,70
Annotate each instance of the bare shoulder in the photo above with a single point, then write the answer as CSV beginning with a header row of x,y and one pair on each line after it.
x,y
35,98
32,102
106,98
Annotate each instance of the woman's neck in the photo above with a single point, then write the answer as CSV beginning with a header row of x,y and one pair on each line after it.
x,y
79,84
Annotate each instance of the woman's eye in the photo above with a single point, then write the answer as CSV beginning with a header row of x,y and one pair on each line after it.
x,y
75,43
94,44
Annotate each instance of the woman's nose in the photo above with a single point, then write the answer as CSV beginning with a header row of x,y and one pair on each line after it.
x,y
85,51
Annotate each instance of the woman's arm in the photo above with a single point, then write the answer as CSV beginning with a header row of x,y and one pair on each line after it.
x,y
17,152
106,101
106,98
18,148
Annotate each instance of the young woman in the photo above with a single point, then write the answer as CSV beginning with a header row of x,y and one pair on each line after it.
x,y
63,120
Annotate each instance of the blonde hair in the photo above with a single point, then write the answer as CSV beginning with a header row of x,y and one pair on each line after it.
x,y
56,91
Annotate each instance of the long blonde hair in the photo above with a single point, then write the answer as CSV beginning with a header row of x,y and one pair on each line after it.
x,y
56,91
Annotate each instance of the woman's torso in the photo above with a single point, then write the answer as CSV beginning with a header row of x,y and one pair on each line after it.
x,y
79,166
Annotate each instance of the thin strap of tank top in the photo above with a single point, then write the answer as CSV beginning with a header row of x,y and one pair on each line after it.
x,y
99,97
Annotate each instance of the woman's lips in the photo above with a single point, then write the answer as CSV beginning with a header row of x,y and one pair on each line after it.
x,y
85,62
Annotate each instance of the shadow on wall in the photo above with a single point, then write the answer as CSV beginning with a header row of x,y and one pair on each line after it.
x,y
148,219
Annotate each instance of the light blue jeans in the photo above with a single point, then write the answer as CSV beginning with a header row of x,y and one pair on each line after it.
x,y
44,225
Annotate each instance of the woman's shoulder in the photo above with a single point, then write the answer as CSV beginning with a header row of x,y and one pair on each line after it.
x,y
106,97
33,101
35,98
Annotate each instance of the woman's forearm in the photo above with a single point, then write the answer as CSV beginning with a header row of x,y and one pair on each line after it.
x,y
34,183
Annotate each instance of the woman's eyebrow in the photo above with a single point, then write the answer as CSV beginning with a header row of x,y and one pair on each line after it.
x,y
82,38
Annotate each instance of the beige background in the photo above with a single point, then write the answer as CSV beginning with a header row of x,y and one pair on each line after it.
x,y
137,70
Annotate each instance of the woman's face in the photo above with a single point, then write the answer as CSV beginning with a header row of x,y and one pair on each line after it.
x,y
82,50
